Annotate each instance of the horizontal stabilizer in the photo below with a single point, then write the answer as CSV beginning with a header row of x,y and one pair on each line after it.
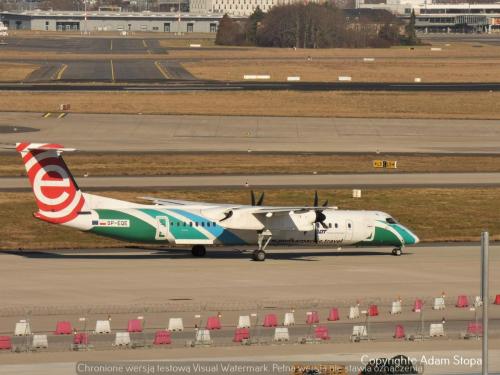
x,y
25,146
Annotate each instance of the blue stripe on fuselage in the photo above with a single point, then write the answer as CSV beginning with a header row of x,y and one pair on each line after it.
x,y
223,235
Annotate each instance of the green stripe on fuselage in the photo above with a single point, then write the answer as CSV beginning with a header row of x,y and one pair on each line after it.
x,y
178,228
383,237
138,230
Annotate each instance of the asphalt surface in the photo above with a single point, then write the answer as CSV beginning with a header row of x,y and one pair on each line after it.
x,y
252,86
286,181
55,73
70,283
102,132
88,45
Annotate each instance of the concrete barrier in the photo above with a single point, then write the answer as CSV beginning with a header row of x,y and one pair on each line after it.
x,y
439,303
293,78
417,80
289,319
175,324
359,331
436,49
368,59
312,317
102,326
353,312
122,339
396,307
162,338
281,334
63,328
436,330
22,328
203,337
195,45
40,341
244,321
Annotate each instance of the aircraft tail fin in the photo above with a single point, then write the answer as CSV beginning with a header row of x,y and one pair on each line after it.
x,y
57,194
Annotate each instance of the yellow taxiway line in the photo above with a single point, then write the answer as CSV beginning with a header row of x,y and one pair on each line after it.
x,y
161,70
112,70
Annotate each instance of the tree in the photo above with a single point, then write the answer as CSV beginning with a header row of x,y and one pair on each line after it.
x,y
252,25
411,35
229,32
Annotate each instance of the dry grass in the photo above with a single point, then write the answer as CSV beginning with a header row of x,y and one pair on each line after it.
x,y
11,72
384,70
185,43
477,105
471,51
453,51
237,163
434,214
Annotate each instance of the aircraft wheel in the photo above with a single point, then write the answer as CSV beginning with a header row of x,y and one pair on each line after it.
x,y
198,251
397,252
259,255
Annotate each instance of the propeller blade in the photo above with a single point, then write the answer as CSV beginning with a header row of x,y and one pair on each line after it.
x,y
261,199
227,215
320,217
252,197
315,199
325,204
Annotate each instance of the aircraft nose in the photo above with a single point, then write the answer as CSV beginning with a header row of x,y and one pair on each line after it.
x,y
408,236
411,238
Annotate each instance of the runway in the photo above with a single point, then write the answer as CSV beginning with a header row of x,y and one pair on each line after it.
x,y
103,132
378,180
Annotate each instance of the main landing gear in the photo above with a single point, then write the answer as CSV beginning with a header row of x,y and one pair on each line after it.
x,y
398,251
198,251
263,240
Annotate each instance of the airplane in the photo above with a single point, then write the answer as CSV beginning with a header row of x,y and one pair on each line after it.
x,y
199,224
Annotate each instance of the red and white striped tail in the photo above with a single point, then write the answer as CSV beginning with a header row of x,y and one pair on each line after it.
x,y
57,195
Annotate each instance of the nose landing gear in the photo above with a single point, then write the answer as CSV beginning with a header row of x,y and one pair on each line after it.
x,y
398,251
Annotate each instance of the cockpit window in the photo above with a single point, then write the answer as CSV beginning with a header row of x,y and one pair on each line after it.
x,y
390,220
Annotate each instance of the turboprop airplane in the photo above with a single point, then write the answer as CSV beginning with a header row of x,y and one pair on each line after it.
x,y
199,224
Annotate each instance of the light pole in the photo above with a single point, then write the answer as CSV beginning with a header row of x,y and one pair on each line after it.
x,y
485,297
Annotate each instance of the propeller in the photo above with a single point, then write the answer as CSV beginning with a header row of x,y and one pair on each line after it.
x,y
316,200
259,201
320,216
227,215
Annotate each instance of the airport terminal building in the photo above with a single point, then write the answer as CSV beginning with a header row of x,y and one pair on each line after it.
x,y
111,21
442,17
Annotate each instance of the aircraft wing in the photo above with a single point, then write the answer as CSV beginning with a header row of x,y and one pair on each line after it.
x,y
180,202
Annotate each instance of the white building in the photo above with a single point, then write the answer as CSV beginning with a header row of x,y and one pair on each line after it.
x,y
445,18
241,8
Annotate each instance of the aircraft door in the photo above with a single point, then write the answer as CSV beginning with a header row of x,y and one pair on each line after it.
x,y
162,228
348,230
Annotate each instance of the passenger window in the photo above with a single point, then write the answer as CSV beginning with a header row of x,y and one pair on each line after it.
x,y
178,223
208,224
196,223
214,224
336,225
349,225
329,225
190,223
202,223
